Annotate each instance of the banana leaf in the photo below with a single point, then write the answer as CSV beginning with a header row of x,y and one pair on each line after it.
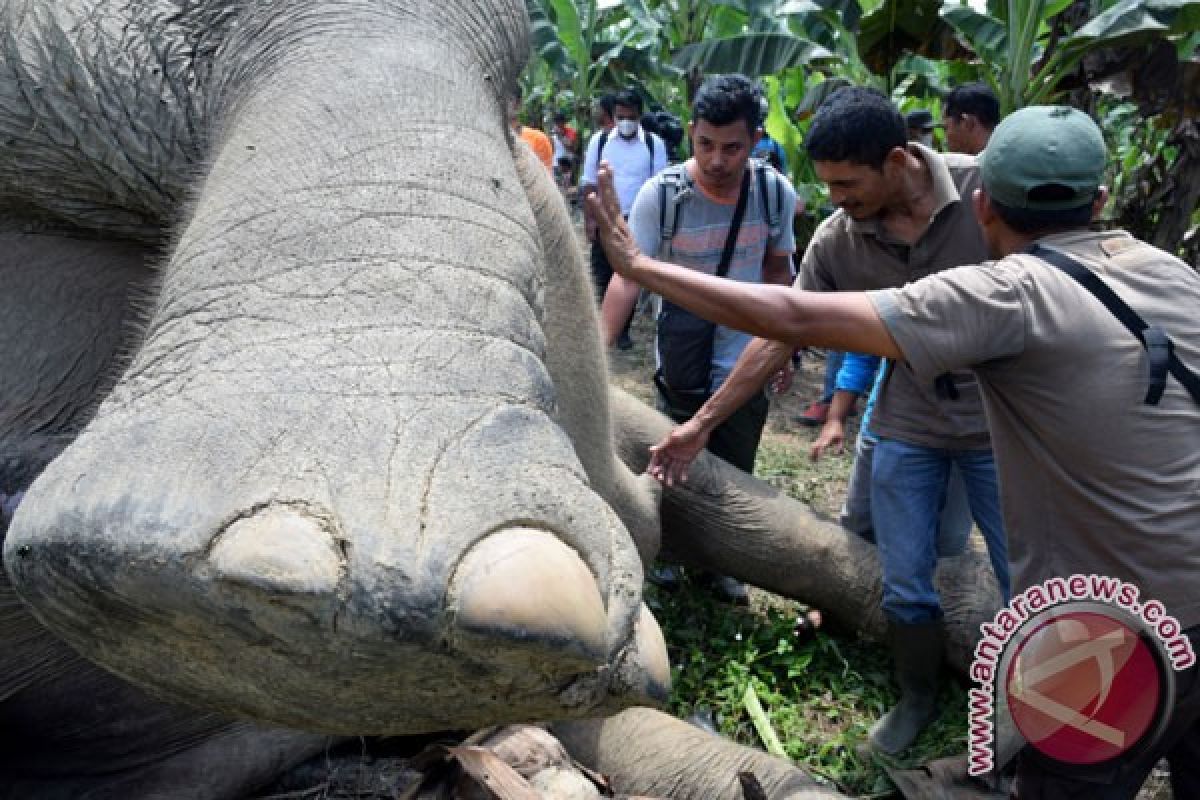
x,y
750,54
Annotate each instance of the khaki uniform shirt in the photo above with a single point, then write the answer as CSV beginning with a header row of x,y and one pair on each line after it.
x,y
850,255
1092,480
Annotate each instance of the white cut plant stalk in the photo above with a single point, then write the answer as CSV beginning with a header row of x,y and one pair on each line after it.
x,y
762,724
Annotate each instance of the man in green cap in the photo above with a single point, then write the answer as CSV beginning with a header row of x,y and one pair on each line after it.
x,y
1095,425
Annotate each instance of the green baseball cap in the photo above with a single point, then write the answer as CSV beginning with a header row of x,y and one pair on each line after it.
x,y
1044,158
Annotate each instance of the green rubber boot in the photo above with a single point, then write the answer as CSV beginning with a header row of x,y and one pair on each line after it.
x,y
917,651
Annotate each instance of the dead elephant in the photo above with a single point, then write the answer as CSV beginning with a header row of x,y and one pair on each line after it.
x,y
302,386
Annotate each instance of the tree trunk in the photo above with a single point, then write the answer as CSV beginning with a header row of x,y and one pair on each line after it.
x,y
1178,197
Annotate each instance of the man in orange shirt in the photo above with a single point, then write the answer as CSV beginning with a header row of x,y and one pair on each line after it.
x,y
537,141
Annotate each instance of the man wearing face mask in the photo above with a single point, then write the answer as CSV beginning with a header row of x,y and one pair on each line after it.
x,y
635,156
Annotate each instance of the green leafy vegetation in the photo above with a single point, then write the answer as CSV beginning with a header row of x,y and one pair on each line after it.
x,y
819,694
1094,54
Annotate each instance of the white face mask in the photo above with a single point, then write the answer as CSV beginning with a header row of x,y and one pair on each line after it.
x,y
627,127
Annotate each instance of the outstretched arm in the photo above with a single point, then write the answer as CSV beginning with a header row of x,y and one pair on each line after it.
x,y
838,320
670,458
616,306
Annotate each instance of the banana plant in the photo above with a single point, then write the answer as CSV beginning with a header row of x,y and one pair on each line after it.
x,y
1027,56
587,44
753,37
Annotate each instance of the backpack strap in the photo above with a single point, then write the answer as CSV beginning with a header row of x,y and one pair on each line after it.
x,y
674,188
649,145
766,176
1159,349
735,226
600,145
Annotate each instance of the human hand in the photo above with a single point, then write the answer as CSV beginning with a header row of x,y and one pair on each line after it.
x,y
589,222
781,381
611,229
670,458
831,437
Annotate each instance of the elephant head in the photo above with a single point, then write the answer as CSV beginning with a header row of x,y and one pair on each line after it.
x,y
356,473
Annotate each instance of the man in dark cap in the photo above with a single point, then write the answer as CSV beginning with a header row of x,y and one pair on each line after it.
x,y
920,126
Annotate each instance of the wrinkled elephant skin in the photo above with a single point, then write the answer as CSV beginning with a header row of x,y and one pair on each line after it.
x,y
356,473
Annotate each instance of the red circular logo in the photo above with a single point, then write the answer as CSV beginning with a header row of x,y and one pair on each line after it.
x,y
1083,688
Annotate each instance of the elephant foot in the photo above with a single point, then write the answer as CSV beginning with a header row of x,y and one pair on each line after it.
x,y
483,588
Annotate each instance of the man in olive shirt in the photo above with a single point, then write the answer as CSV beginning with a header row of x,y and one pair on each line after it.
x,y
904,214
1098,475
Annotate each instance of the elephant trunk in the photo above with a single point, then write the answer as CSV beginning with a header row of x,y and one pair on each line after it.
x,y
646,752
329,490
722,519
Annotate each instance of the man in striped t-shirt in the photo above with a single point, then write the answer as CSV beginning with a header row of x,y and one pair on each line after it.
x,y
705,193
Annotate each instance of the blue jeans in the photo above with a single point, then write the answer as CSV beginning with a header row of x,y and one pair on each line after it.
x,y
954,521
908,486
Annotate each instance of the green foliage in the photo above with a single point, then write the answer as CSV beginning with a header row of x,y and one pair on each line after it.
x,y
819,695
1031,51
1029,56
750,54
581,46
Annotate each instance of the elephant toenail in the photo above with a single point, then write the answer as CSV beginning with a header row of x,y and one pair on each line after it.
x,y
279,549
526,586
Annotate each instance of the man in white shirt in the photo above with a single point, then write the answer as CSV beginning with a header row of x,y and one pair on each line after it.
x,y
635,156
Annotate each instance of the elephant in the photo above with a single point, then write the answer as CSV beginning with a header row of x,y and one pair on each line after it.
x,y
304,422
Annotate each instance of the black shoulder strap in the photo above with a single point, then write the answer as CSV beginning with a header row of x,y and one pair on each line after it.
x,y
734,227
1159,348
600,148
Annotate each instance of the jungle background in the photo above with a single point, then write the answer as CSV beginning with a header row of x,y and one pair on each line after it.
x,y
1133,64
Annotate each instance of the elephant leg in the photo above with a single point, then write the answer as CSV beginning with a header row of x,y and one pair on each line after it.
x,y
71,731
67,309
331,489
647,752
729,522
67,728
